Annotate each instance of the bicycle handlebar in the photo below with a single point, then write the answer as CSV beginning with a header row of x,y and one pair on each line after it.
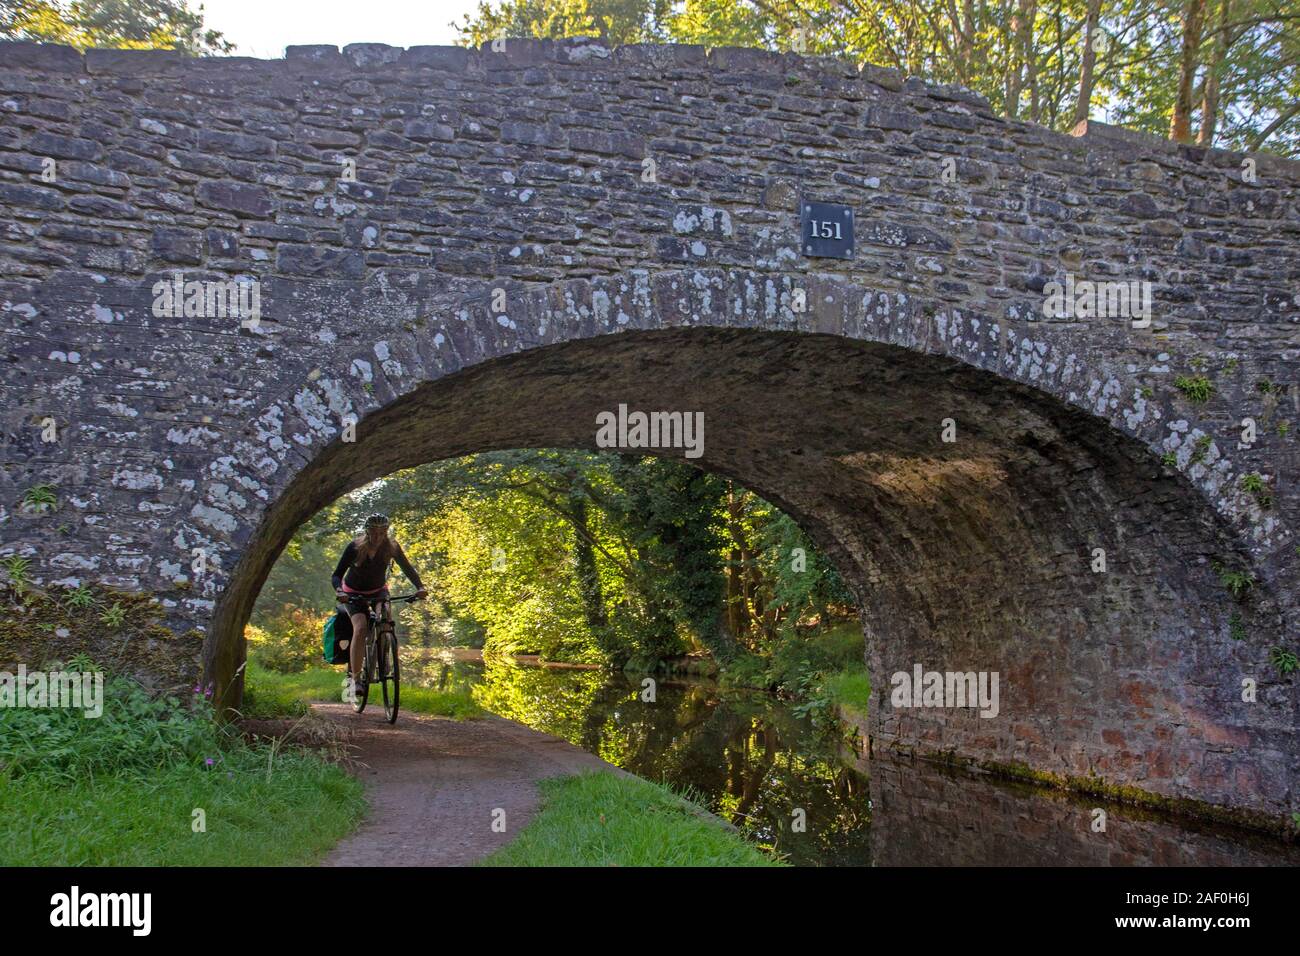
x,y
374,597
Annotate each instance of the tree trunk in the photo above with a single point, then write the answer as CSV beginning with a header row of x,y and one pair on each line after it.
x,y
1180,126
1210,98
1031,62
1089,61
593,601
1022,32
737,611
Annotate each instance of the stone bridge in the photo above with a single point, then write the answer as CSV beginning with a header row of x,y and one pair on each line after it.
x,y
469,250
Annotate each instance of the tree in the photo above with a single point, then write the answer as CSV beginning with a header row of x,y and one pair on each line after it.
x,y
1180,125
123,24
1089,60
1156,65
614,21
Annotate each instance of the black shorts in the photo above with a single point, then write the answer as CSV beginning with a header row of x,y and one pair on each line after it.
x,y
360,603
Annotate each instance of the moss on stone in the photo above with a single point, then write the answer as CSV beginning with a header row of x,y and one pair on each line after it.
x,y
1128,795
41,626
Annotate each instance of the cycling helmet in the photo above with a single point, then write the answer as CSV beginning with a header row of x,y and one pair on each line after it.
x,y
377,521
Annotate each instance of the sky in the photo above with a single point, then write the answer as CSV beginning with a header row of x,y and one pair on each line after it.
x,y
263,28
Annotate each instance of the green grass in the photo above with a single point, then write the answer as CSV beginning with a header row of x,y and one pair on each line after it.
x,y
849,689
122,788
604,819
292,818
271,694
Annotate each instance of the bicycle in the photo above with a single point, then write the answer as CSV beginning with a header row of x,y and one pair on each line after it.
x,y
381,662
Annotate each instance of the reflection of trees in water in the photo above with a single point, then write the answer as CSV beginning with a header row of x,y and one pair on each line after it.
x,y
556,702
772,763
437,669
745,755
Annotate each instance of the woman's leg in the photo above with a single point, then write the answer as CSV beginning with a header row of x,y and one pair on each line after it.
x,y
357,649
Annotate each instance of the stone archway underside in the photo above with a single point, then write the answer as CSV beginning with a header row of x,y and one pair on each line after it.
x,y
974,555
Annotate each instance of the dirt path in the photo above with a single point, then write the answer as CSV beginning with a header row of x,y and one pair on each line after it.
x,y
433,784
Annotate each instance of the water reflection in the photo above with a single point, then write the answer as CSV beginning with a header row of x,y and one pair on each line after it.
x,y
794,787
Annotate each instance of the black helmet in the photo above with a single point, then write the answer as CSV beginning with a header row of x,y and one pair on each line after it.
x,y
377,521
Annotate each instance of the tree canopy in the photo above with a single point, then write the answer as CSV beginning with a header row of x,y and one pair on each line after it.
x,y
1218,72
582,557
122,24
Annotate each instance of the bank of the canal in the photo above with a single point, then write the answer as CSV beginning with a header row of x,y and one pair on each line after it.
x,y
795,785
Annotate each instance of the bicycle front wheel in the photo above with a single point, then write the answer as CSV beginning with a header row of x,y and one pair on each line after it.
x,y
389,675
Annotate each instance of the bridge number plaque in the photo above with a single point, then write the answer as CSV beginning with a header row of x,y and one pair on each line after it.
x,y
827,229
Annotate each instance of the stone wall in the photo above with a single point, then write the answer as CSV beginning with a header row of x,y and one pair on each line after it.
x,y
469,250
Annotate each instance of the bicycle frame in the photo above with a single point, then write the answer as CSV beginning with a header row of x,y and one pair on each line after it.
x,y
380,662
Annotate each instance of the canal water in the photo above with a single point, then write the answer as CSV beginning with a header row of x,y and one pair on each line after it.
x,y
796,786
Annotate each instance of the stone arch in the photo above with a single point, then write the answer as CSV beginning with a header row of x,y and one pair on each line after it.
x,y
970,555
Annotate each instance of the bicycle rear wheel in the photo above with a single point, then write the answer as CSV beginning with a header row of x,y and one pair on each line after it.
x,y
389,674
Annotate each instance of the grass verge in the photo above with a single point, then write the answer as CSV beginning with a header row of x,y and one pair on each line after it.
x,y
291,817
271,694
849,689
605,819
156,782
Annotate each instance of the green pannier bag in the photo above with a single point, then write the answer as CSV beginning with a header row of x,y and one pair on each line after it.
x,y
338,636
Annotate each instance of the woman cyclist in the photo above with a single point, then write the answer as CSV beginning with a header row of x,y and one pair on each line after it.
x,y
361,575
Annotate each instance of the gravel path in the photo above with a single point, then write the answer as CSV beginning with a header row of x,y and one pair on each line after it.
x,y
433,784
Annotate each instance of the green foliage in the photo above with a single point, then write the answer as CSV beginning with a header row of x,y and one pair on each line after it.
x,y
80,598
1197,388
1027,67
288,643
1202,446
1238,583
616,21
1237,627
124,24
137,733
850,689
820,671
16,567
579,557
269,693
113,616
1169,459
40,497
120,789
832,651
1283,660
290,817
603,819
1255,484
301,576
